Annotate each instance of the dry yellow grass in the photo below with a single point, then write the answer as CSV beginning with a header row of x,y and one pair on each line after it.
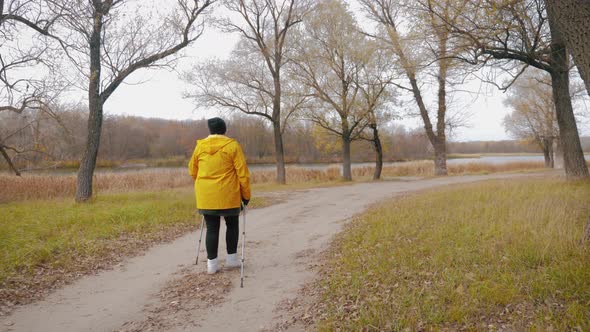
x,y
472,168
47,186
426,168
297,175
489,256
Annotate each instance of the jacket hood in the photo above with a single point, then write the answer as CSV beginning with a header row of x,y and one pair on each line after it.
x,y
213,143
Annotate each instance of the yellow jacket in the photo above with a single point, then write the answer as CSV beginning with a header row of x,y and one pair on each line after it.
x,y
221,175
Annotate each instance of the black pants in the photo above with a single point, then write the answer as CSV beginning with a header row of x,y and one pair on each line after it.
x,y
231,235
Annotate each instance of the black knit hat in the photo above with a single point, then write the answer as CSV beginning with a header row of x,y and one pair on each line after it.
x,y
216,126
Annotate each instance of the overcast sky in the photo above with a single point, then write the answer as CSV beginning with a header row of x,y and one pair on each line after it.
x,y
159,95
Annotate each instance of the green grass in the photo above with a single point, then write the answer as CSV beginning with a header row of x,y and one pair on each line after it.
x,y
62,236
497,253
43,241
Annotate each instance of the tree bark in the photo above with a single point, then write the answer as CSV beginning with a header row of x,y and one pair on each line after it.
x,y
276,118
9,161
572,17
440,153
574,162
558,155
547,145
95,116
440,141
279,153
547,157
440,159
346,163
378,153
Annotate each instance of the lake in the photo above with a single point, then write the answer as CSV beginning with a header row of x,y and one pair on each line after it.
x,y
456,161
319,166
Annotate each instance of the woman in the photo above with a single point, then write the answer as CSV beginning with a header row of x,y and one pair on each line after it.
x,y
222,184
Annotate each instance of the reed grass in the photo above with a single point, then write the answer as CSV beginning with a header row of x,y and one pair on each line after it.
x,y
498,255
48,186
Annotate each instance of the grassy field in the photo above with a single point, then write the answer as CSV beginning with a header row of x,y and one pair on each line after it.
x,y
48,242
489,256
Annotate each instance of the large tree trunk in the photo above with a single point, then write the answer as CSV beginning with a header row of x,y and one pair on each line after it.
x,y
440,153
440,158
88,163
558,155
574,162
346,162
9,161
378,153
95,116
279,153
276,116
440,142
572,17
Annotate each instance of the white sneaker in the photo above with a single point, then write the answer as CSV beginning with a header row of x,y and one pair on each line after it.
x,y
212,266
232,261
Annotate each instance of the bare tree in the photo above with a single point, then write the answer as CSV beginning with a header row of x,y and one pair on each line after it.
x,y
533,116
108,40
25,39
265,25
33,137
427,42
572,19
375,82
331,56
255,135
243,83
23,22
514,35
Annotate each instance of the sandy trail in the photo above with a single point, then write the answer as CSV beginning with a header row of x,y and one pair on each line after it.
x,y
281,241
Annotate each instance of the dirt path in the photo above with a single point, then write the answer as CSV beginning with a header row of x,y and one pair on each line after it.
x,y
281,242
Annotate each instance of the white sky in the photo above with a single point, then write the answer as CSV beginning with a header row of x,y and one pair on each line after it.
x,y
160,94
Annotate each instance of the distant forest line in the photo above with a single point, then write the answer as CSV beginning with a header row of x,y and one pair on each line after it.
x,y
60,141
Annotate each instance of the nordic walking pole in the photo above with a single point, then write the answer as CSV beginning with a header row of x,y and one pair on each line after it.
x,y
200,237
243,247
